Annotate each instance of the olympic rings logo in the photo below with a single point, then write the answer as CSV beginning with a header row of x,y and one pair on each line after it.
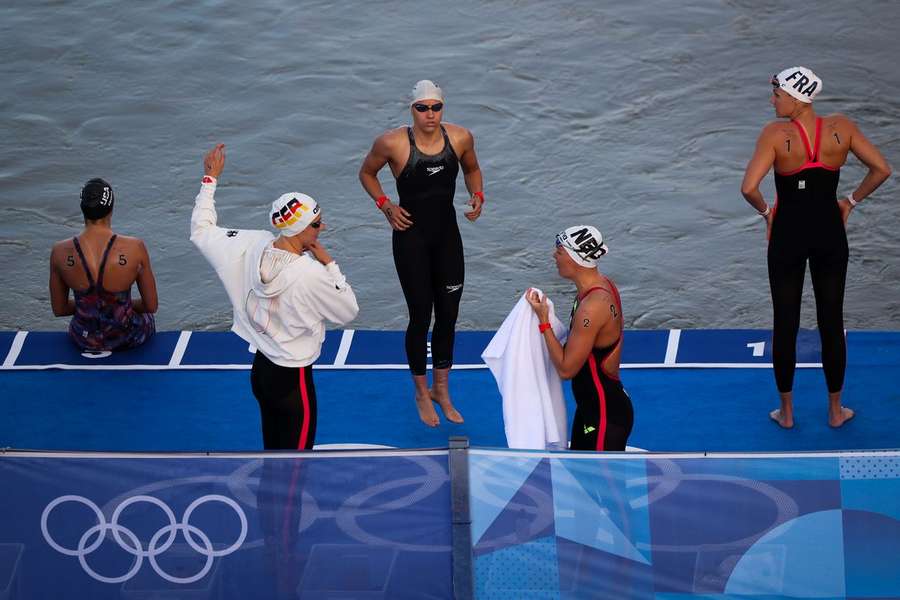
x,y
134,546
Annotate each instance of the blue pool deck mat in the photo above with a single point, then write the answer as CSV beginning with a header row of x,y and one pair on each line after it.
x,y
369,349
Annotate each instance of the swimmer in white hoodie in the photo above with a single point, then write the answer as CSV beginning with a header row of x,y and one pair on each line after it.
x,y
282,290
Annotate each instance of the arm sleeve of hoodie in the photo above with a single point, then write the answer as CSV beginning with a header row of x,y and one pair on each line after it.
x,y
205,234
331,296
218,245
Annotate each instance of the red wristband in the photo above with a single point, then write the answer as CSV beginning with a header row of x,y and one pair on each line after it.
x,y
380,200
542,327
480,195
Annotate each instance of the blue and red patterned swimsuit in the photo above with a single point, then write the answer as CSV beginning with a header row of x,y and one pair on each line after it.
x,y
106,320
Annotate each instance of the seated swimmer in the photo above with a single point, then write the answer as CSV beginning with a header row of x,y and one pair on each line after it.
x,y
100,266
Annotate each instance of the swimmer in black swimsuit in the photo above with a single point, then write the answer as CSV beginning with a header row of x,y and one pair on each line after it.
x,y
593,350
425,160
808,223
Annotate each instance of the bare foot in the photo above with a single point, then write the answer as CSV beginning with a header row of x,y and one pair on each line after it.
x,y
447,407
786,422
837,421
426,411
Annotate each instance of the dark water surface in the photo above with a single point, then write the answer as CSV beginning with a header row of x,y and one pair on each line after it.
x,y
636,117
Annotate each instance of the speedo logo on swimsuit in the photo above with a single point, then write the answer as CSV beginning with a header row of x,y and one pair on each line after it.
x,y
290,213
434,170
589,429
454,288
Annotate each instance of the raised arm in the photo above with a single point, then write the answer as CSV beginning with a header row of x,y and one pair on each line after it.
x,y
204,217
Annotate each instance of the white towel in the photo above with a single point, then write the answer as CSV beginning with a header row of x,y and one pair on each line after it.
x,y
534,412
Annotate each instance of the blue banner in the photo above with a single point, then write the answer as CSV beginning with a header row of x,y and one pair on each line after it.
x,y
565,525
378,525
321,525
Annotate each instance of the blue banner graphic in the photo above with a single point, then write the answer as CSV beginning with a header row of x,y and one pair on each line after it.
x,y
562,525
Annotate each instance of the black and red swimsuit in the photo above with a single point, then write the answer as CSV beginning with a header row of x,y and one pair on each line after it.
x,y
603,413
808,226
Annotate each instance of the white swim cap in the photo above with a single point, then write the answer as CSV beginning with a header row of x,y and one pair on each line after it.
x,y
426,90
583,243
799,82
293,212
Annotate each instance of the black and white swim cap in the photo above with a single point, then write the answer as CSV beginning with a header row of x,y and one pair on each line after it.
x,y
97,199
583,243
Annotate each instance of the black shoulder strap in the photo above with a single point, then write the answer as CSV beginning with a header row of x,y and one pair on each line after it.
x,y
103,260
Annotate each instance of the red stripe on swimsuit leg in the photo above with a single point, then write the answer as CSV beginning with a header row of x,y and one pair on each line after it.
x,y
304,399
602,399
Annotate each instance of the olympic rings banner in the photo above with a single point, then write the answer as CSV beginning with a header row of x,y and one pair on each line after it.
x,y
280,526
379,525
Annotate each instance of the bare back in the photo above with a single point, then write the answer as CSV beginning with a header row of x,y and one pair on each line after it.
x,y
791,151
604,306
127,258
127,262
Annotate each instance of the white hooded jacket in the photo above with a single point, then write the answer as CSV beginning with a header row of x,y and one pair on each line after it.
x,y
285,316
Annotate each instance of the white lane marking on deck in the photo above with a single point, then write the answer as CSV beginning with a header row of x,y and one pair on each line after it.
x,y
15,349
672,346
344,348
180,347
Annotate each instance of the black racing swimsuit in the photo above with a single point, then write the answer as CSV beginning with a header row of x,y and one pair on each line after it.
x,y
808,226
429,255
603,412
